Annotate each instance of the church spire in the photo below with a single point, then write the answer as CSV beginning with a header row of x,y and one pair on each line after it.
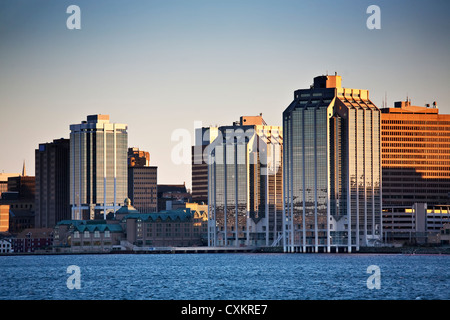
x,y
24,171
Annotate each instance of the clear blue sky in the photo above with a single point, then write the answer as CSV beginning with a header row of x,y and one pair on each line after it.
x,y
161,65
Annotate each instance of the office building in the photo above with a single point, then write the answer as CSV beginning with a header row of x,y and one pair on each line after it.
x,y
245,184
203,137
142,181
98,167
417,224
25,186
172,196
415,154
20,198
4,218
4,181
87,236
331,170
52,183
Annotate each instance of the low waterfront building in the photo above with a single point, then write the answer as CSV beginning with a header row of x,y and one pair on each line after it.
x,y
86,236
5,246
417,224
445,234
132,230
168,228
32,240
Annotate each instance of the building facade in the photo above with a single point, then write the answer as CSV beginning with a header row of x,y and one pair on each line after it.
x,y
138,158
86,236
245,184
98,167
20,198
52,183
331,170
5,246
169,228
32,240
415,155
172,196
143,188
134,231
142,181
4,217
4,181
203,137
416,224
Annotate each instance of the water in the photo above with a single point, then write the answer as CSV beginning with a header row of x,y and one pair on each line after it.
x,y
225,276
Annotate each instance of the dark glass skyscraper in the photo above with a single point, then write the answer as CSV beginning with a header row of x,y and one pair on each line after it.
x,y
52,183
331,169
98,167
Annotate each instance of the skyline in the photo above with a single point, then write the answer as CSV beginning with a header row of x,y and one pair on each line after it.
x,y
159,67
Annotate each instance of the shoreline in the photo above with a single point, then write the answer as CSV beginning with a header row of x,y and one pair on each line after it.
x,y
263,250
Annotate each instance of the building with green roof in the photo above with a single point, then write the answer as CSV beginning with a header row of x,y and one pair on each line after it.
x,y
133,230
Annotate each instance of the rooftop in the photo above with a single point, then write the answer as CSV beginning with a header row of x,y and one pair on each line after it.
x,y
406,107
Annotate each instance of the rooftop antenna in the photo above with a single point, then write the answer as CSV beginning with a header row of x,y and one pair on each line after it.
x,y
24,171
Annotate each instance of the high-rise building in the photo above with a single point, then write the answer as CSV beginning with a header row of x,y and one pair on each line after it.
x,y
331,169
245,184
142,181
52,183
415,155
98,167
25,186
203,137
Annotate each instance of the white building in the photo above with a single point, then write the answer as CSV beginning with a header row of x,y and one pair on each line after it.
x,y
98,167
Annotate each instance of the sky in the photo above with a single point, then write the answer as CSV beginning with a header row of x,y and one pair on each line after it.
x,y
165,65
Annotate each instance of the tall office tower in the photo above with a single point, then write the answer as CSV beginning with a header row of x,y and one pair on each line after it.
x,y
52,183
142,181
203,137
245,184
98,167
331,170
415,155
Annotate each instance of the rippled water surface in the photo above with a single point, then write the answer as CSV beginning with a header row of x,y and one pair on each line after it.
x,y
226,276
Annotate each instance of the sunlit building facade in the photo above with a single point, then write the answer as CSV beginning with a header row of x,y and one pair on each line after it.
x,y
245,184
331,169
415,155
98,167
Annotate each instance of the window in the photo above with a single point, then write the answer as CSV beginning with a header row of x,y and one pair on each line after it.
x,y
96,234
86,234
107,234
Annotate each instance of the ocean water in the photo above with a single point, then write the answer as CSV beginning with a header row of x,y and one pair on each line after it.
x,y
231,276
